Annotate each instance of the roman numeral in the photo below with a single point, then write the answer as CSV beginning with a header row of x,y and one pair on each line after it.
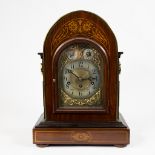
x,y
80,94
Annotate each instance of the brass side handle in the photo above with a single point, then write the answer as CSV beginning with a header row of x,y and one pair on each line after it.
x,y
119,54
41,56
119,65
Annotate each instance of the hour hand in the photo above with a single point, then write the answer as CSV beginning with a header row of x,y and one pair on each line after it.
x,y
89,78
70,71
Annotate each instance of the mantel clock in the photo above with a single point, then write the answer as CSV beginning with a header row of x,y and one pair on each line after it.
x,y
80,66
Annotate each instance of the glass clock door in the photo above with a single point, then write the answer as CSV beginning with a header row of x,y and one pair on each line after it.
x,y
80,77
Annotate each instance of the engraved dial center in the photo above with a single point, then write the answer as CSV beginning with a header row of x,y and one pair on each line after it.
x,y
81,80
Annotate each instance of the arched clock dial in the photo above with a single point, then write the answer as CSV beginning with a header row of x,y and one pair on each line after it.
x,y
80,75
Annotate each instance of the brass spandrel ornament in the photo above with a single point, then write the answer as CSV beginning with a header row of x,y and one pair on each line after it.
x,y
92,101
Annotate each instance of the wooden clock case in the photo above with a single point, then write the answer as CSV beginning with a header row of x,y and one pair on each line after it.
x,y
57,126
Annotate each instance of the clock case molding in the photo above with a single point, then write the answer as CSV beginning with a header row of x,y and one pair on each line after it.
x,y
80,26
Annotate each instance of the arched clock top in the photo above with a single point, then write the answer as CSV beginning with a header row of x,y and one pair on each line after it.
x,y
81,24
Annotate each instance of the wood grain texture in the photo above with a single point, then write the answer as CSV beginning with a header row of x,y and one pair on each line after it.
x,y
95,136
82,136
